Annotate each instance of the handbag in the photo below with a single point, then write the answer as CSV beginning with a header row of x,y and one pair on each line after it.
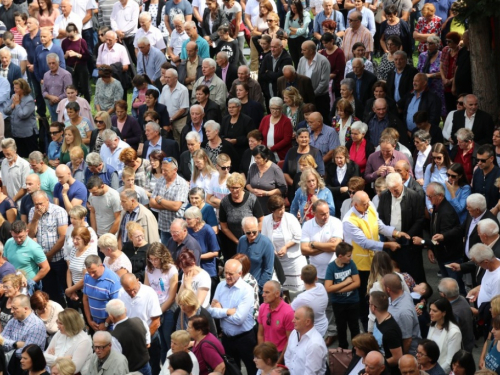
x,y
231,367
339,360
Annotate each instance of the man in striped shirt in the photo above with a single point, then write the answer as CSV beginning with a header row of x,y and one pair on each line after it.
x,y
356,33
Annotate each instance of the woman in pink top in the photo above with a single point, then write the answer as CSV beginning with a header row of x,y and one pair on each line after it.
x,y
46,14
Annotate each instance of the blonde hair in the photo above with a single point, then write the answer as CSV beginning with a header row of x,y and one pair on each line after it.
x,y
132,226
182,337
309,160
305,174
72,321
209,167
188,298
294,95
128,172
77,141
65,366
235,179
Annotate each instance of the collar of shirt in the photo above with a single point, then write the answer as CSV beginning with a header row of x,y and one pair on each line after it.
x,y
344,168
56,73
314,60
121,321
47,48
134,211
225,69
158,144
397,300
276,59
238,284
4,69
357,213
493,243
257,239
278,308
206,81
400,198
426,152
470,118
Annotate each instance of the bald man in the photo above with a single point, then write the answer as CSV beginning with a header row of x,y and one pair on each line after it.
x,y
141,301
33,184
68,191
254,92
66,17
375,364
408,365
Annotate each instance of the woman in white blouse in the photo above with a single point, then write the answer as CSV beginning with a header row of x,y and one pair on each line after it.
x,y
444,331
284,230
115,259
422,142
77,217
203,170
71,341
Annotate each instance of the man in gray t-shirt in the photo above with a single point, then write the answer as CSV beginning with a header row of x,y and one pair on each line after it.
x,y
104,206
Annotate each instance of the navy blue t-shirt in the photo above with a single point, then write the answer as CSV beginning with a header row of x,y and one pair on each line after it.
x,y
208,242
337,275
77,190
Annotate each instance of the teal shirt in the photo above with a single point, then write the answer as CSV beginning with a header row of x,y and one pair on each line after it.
x,y
26,257
48,181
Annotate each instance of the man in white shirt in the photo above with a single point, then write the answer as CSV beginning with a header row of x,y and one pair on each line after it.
x,y
149,31
320,237
18,54
142,302
306,353
67,16
175,97
448,124
111,149
483,256
177,39
111,52
124,22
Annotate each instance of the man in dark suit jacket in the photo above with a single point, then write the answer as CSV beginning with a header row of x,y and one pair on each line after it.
x,y
482,122
269,72
232,71
400,84
14,70
403,168
150,98
411,211
364,81
300,82
153,136
445,249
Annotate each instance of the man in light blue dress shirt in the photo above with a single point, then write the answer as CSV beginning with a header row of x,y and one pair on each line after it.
x,y
149,59
233,304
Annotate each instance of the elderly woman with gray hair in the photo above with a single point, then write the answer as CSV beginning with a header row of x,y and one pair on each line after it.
x,y
359,148
429,63
347,88
277,129
206,237
235,126
216,145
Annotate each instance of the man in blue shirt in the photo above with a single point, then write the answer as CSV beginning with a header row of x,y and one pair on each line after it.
x,y
192,32
233,304
69,192
149,59
40,63
323,137
258,249
328,13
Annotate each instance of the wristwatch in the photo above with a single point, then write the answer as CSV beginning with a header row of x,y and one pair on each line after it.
x,y
14,345
422,242
106,324
312,245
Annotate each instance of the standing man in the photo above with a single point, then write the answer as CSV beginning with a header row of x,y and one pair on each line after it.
x,y
382,119
275,318
123,20
190,69
32,184
218,90
175,97
25,254
254,92
364,81
155,142
134,211
233,304
31,40
485,175
47,175
104,207
192,33
169,196
111,52
328,13
100,285
141,301
7,13
177,38
317,67
323,137
149,59
152,33
54,86
84,10
403,209
306,352
483,256
181,240
381,163
225,71
105,361
8,69
69,192
111,150
320,237
290,78
14,171
259,249
356,33
67,16
403,168
96,167
400,80
174,8
48,224
40,62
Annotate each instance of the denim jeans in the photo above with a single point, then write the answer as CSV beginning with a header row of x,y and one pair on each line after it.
x,y
146,369
52,110
165,330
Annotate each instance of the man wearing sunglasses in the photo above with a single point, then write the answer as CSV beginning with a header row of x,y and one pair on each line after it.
x,y
448,124
258,249
484,177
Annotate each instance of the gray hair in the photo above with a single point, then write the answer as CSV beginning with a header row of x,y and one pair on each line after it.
x,y
189,24
179,17
359,126
223,55
9,143
401,53
449,287
437,187
112,33
198,107
393,180
423,136
193,212
465,135
210,62
5,51
469,96
481,252
145,15
359,60
144,40
349,82
180,222
93,159
108,241
92,259
245,68
211,124
193,136
414,360
174,72
104,335
249,220
488,227
115,307
197,191
40,193
477,201
434,39
155,127
289,67
52,56
234,101
36,156
277,101
108,135
130,194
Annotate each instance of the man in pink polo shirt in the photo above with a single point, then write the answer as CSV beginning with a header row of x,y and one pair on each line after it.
x,y
275,318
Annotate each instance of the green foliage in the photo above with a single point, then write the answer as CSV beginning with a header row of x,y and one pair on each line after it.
x,y
474,10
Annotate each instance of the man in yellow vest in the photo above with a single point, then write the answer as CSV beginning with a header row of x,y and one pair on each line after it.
x,y
362,226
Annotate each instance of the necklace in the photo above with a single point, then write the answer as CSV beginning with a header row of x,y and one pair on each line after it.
x,y
276,224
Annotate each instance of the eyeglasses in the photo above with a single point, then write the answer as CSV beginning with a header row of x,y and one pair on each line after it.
x,y
350,192
482,160
55,133
251,232
268,321
452,175
225,168
101,347
460,102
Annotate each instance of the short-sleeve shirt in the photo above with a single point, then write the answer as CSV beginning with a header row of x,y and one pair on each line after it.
x,y
389,336
311,231
281,320
76,190
172,9
208,242
177,192
26,257
48,181
77,263
105,207
337,275
202,280
121,262
100,292
160,281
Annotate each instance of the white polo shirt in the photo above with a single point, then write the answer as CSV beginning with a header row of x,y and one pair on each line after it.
x,y
145,305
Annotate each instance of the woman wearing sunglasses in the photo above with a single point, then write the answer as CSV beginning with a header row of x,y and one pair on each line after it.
x,y
102,122
437,169
459,189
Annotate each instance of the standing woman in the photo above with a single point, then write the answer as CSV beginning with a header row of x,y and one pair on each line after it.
x,y
127,125
72,96
217,188
84,125
277,129
197,199
77,54
427,25
194,278
136,248
155,9
448,67
359,148
296,27
293,107
21,28
265,178
198,328
249,107
395,26
203,170
21,109
427,357
235,126
336,58
284,230
437,169
444,332
107,90
162,275
343,120
459,189
422,154
72,139
32,360
102,122
213,18
46,310
386,65
211,109
429,63
234,14
46,14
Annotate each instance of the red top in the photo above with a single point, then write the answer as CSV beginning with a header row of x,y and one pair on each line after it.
x,y
466,161
283,131
359,157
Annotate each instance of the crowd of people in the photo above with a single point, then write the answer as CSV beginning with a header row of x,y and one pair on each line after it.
x,y
255,206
